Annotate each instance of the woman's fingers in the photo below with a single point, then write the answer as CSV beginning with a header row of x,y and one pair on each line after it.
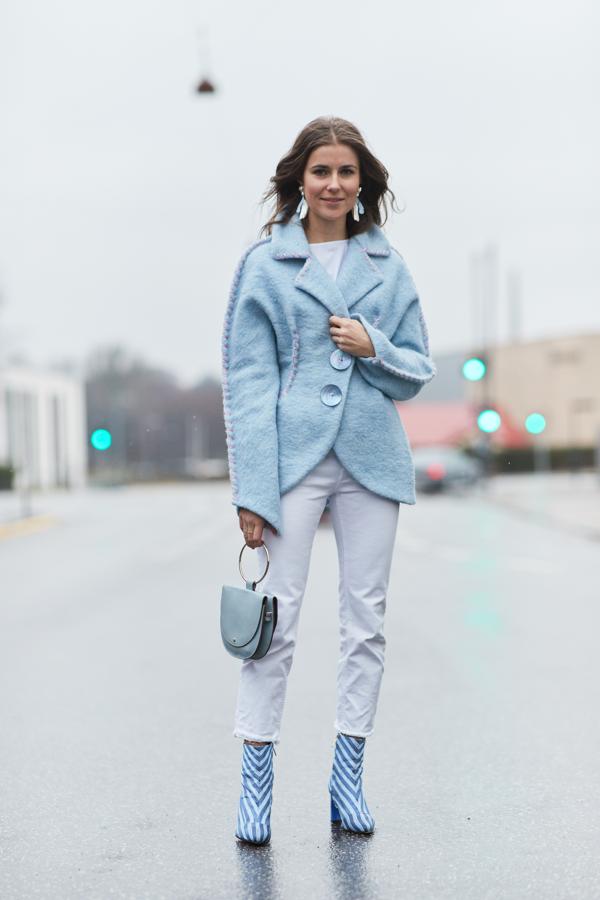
x,y
252,530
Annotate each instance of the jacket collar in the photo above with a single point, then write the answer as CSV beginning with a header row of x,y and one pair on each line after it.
x,y
359,273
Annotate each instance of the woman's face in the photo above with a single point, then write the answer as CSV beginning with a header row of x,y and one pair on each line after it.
x,y
331,181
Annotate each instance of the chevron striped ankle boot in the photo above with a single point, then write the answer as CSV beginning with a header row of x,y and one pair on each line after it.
x,y
254,811
348,804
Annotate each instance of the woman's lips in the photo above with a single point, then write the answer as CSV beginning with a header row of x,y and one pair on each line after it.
x,y
332,200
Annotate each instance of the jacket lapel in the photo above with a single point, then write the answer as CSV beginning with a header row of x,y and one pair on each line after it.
x,y
313,279
358,275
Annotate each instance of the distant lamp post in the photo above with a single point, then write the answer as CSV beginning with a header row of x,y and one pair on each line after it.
x,y
488,421
535,424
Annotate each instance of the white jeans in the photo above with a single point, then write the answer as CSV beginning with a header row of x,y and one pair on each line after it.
x,y
365,530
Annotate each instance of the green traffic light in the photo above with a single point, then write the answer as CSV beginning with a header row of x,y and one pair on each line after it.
x,y
535,423
101,439
474,369
489,421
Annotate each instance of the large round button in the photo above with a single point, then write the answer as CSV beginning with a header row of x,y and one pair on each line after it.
x,y
331,395
339,359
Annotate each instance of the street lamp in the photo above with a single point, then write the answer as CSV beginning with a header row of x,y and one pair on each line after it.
x,y
205,85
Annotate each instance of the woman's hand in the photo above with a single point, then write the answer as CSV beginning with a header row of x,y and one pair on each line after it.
x,y
252,526
351,336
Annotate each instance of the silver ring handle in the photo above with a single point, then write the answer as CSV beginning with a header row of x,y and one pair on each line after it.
x,y
266,549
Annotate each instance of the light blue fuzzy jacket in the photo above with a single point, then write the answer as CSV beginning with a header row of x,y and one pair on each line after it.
x,y
277,358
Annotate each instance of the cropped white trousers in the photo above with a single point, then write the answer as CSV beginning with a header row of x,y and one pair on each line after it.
x,y
365,530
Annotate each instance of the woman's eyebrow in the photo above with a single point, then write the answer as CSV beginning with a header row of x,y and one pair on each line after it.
x,y
325,166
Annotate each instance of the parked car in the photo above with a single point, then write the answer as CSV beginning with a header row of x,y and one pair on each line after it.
x,y
443,467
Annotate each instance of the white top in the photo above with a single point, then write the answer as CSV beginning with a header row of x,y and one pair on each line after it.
x,y
330,254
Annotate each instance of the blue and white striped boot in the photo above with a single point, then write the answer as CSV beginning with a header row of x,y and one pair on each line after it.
x,y
348,804
254,811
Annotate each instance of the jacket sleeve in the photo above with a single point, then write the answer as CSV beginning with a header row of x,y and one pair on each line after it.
x,y
402,365
250,387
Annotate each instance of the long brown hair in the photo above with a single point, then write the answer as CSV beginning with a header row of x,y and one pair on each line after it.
x,y
285,184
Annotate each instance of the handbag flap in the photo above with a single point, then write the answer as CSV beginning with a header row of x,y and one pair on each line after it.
x,y
241,614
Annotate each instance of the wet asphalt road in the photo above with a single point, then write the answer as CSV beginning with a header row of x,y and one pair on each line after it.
x,y
120,776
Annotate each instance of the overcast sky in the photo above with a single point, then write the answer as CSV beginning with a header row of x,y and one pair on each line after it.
x,y
126,199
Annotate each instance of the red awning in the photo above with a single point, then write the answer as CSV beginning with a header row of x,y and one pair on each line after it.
x,y
456,423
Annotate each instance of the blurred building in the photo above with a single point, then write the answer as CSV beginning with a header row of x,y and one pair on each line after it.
x,y
42,427
557,377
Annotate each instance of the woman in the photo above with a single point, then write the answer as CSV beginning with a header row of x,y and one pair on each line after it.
x,y
312,363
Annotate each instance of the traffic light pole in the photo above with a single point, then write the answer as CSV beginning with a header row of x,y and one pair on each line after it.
x,y
541,457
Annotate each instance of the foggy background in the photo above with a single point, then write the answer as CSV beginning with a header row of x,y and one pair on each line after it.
x,y
127,198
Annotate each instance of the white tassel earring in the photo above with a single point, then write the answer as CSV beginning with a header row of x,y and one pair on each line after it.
x,y
358,209
302,208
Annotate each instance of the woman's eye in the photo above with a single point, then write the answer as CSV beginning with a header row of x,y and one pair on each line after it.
x,y
344,172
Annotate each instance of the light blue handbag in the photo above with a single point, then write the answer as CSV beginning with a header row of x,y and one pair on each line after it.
x,y
248,616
